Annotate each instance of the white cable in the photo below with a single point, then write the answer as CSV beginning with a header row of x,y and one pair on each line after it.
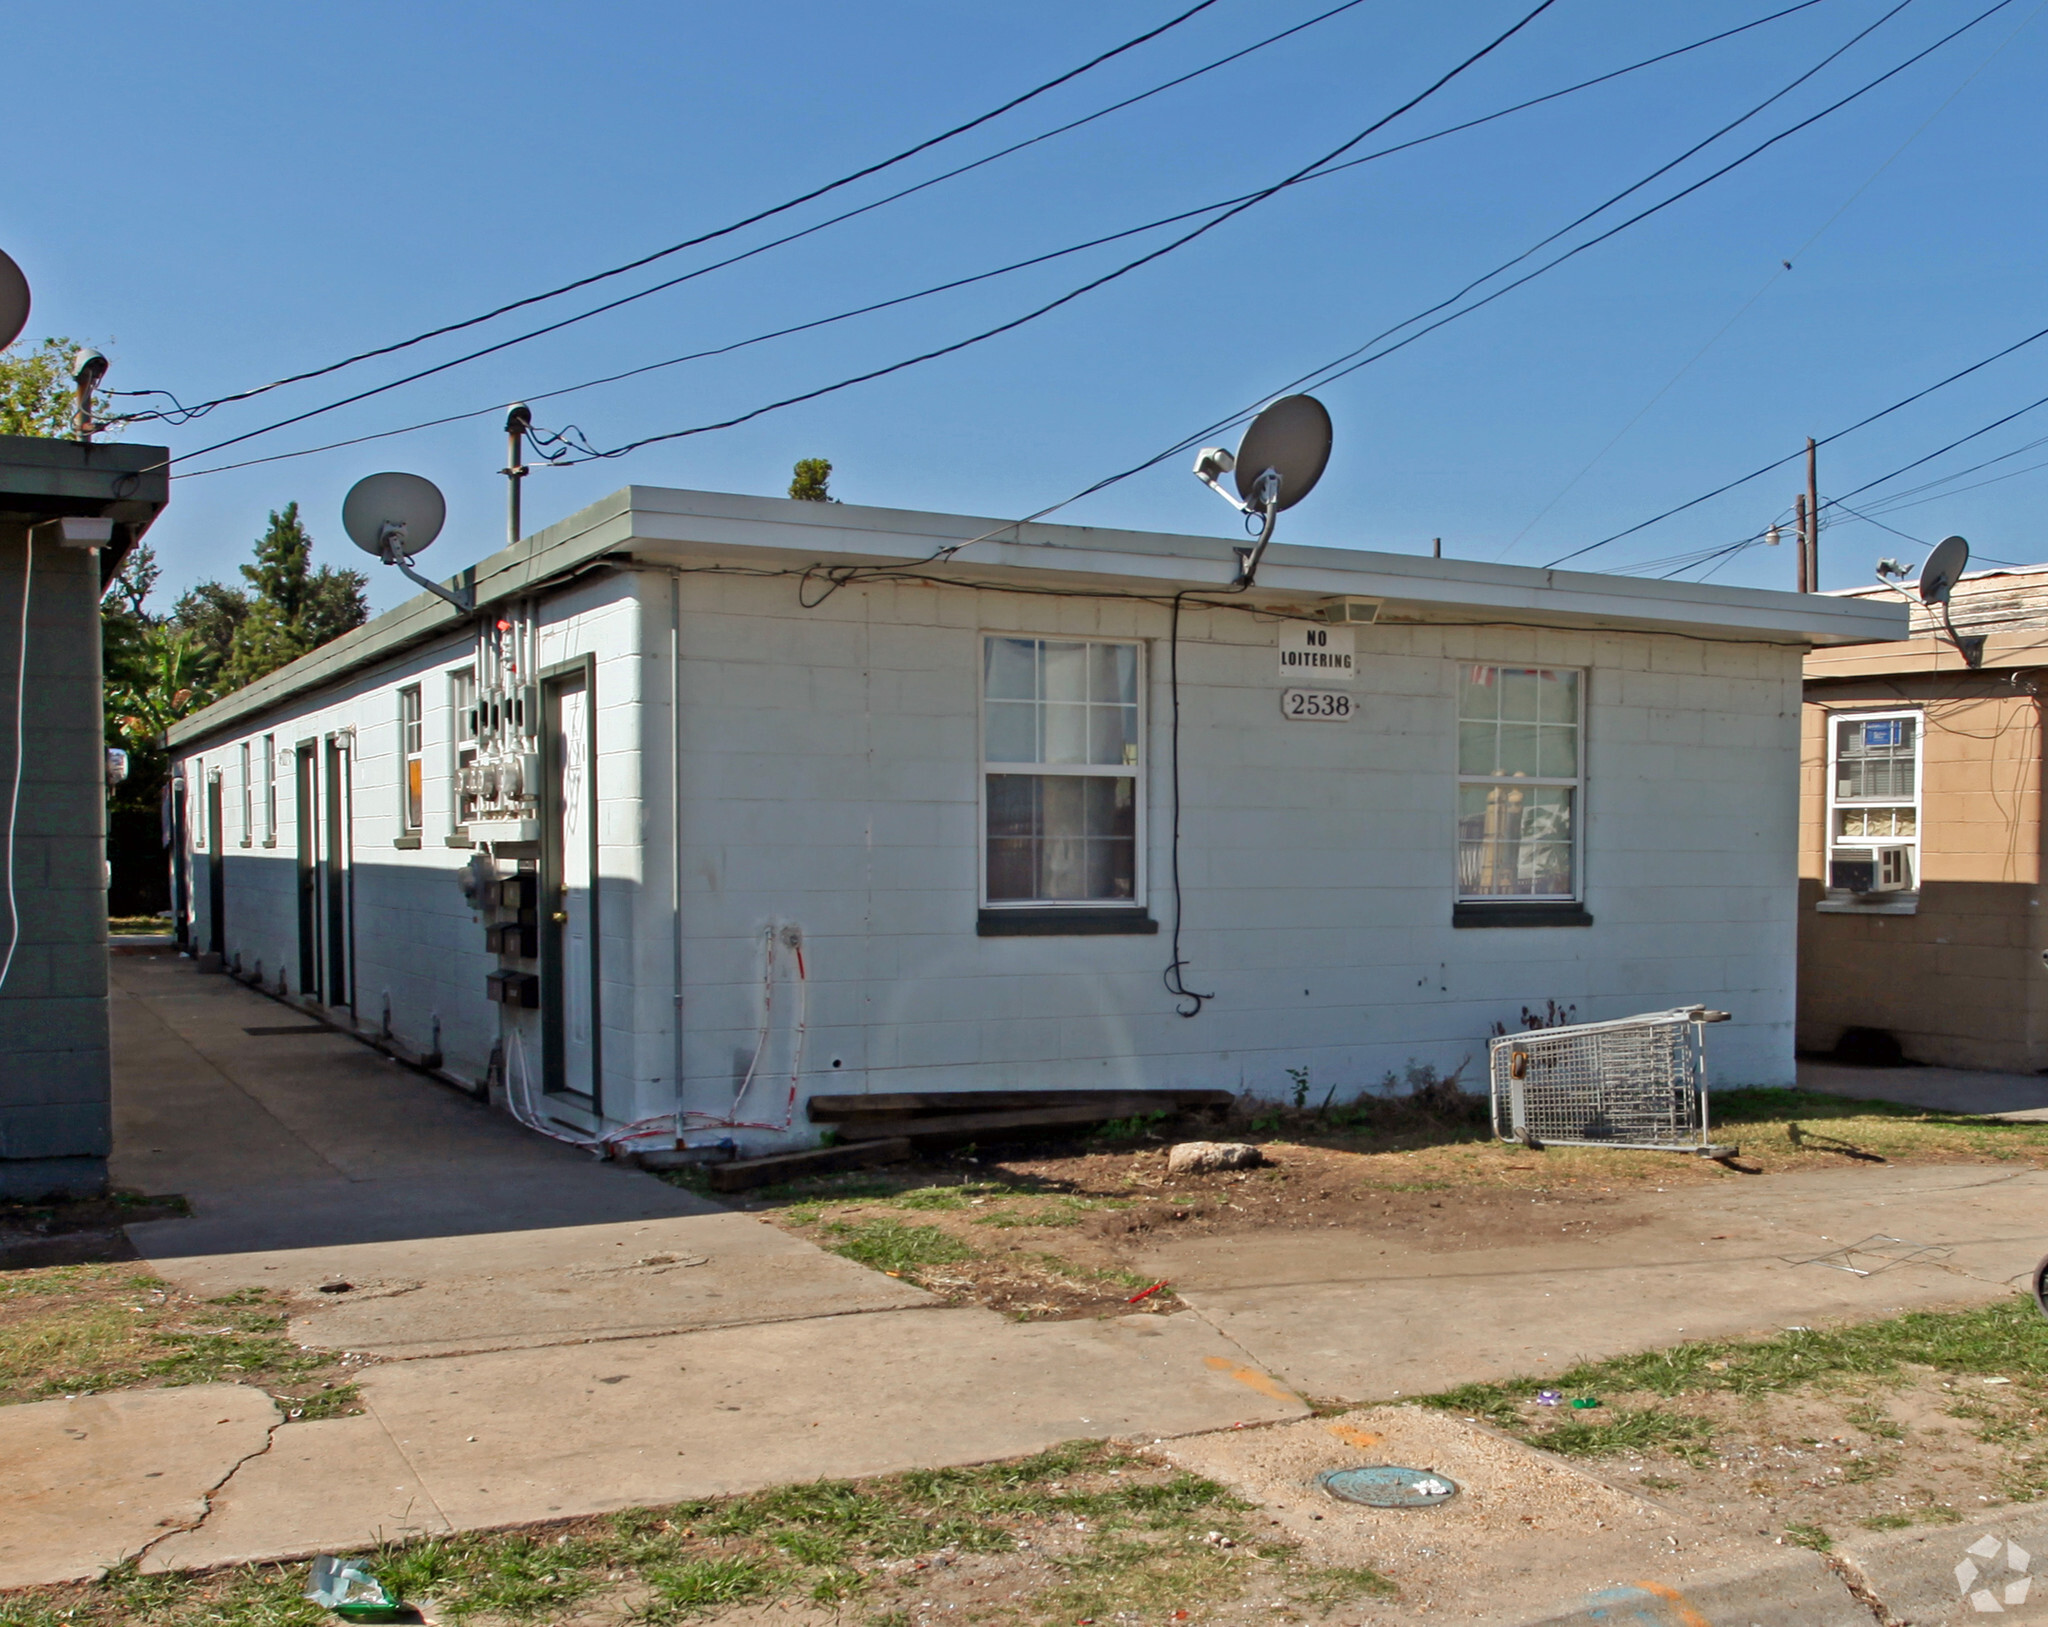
x,y
732,1113
28,561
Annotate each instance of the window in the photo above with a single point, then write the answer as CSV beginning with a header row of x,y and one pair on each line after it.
x,y
462,702
1518,782
195,804
270,790
1874,803
1060,732
409,738
248,800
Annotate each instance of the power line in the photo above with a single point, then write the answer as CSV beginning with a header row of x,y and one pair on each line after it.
x,y
723,231
1111,276
1331,371
1165,220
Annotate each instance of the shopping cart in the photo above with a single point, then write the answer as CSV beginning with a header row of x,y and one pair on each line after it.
x,y
1636,1082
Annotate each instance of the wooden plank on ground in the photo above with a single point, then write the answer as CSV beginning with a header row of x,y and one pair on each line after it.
x,y
831,1109
967,1126
743,1174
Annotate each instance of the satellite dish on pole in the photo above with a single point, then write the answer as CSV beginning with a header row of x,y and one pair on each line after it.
x,y
1944,568
1291,438
13,301
1283,455
395,517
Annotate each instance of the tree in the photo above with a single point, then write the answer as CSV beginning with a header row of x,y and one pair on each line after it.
x,y
292,608
37,396
211,613
812,481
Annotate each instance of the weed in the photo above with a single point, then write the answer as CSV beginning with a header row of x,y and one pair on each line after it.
x,y
890,1245
1809,1536
1135,1128
1334,1585
1647,1429
707,1584
1887,1522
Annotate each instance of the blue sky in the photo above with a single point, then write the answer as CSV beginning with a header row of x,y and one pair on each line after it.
x,y
248,191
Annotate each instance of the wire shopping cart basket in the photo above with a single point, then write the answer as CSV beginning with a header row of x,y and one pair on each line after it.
x,y
1636,1082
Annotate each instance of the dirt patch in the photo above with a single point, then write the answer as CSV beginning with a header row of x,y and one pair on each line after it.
x,y
78,1231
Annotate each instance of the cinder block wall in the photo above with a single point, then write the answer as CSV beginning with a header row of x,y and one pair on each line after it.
x,y
54,1074
1960,982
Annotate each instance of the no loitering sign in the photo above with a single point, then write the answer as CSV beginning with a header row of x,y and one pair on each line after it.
x,y
1326,654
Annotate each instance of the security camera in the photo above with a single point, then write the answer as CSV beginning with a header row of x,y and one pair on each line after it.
x,y
1214,461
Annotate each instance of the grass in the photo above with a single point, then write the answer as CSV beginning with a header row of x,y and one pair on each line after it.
x,y
1118,1533
893,1246
80,1330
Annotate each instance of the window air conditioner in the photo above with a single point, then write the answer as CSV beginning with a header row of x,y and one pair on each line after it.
x,y
1852,870
1894,870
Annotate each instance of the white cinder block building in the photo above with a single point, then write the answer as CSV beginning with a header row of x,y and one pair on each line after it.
x,y
719,801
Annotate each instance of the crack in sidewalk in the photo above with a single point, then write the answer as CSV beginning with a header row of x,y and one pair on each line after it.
x,y
207,1496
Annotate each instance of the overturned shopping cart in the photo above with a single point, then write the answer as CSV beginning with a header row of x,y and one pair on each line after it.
x,y
1636,1082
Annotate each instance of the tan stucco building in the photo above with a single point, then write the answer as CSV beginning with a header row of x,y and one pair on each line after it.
x,y
1920,857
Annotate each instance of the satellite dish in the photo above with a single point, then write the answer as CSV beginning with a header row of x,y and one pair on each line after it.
x,y
392,515
1944,568
13,301
1292,438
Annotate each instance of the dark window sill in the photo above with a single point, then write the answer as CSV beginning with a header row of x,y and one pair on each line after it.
x,y
459,839
408,842
270,841
1482,915
1063,923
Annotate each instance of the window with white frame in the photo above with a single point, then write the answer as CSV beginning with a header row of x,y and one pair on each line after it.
x,y
270,790
1061,725
410,736
1874,803
195,804
462,704
1519,780
248,800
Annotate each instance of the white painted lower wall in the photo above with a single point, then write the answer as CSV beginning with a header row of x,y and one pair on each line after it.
x,y
828,768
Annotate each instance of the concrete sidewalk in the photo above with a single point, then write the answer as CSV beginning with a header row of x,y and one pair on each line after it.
x,y
2019,1096
562,1337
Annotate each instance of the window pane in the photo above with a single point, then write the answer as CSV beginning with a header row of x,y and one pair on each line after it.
x,y
1560,701
1515,841
1061,838
414,804
1113,734
1012,668
1517,748
1478,692
1520,694
1557,755
1064,671
1012,733
1066,733
1476,743
1113,673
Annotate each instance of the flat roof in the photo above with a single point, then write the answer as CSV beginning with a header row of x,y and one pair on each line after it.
x,y
661,526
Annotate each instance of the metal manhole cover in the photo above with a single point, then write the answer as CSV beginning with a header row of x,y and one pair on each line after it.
x,y
1385,1485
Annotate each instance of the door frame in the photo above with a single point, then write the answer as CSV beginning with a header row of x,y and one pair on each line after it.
x,y
338,819
553,970
306,819
216,866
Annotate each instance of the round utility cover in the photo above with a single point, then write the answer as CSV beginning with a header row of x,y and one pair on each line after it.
x,y
1292,436
1384,1485
376,501
13,301
1944,568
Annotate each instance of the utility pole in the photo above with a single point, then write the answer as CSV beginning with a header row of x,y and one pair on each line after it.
x,y
1799,535
1811,568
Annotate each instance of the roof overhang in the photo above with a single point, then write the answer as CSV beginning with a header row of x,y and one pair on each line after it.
x,y
46,479
658,526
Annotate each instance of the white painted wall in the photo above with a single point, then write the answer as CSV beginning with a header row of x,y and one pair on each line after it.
x,y
829,773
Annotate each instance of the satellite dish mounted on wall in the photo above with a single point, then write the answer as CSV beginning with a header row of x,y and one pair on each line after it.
x,y
1282,456
1938,579
13,301
395,517
1944,568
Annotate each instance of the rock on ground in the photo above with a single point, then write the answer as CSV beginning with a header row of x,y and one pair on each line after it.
x,y
1204,1157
